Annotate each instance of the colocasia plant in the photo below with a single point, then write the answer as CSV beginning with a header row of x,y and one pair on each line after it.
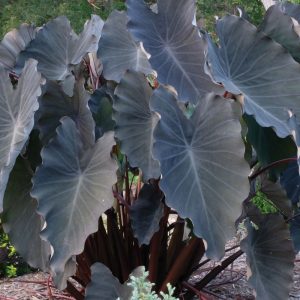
x,y
142,141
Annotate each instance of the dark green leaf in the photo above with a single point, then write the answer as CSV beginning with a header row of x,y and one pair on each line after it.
x,y
268,146
204,174
280,28
249,62
135,122
270,257
118,51
14,42
58,48
175,46
20,220
55,104
100,105
73,187
146,212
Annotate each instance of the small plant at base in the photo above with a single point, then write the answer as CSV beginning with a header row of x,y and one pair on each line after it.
x,y
142,289
263,203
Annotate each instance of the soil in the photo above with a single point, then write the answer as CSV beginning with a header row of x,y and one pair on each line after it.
x,y
35,286
230,284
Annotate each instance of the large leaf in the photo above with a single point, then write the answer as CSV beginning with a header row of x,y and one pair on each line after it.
x,y
73,187
14,42
270,257
291,9
55,104
250,63
290,180
204,174
104,286
100,104
20,220
17,107
280,28
58,48
118,51
135,122
268,146
176,48
146,212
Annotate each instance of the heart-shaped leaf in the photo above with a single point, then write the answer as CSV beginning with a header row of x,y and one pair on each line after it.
x,y
20,220
77,183
270,257
14,42
174,43
118,51
105,284
146,212
250,63
135,122
17,107
204,174
55,104
280,28
58,48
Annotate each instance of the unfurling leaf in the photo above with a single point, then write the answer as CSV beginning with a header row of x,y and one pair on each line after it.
x,y
146,212
204,174
100,104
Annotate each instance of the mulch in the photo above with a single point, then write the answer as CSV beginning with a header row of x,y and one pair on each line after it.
x,y
231,284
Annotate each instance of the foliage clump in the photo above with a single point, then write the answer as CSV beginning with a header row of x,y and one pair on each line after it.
x,y
11,264
265,206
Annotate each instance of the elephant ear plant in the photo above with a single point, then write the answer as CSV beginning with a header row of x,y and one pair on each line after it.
x,y
116,142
